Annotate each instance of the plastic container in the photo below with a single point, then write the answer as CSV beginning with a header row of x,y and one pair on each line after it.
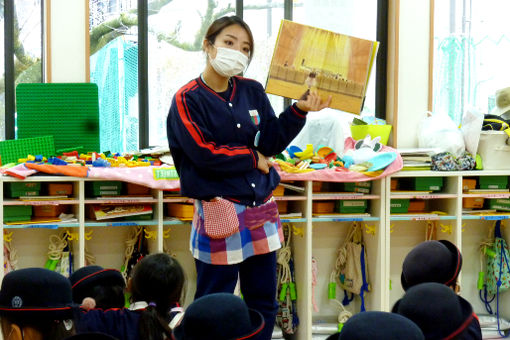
x,y
352,206
500,204
493,182
399,206
494,149
323,207
104,188
18,189
360,131
180,210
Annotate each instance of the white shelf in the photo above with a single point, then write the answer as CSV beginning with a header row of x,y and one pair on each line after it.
x,y
388,237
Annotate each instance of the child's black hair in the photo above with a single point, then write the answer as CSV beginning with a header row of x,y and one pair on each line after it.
x,y
158,279
107,297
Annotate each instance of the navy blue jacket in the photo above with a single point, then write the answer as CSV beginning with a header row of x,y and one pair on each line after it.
x,y
212,140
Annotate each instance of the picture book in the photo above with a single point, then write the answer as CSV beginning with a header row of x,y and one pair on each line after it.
x,y
309,58
102,212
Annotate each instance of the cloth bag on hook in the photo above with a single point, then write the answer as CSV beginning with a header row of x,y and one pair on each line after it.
x,y
498,265
353,269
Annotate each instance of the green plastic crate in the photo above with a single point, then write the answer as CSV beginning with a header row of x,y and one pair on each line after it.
x,y
502,204
12,150
104,188
493,182
422,183
399,206
16,213
17,210
361,187
18,189
351,206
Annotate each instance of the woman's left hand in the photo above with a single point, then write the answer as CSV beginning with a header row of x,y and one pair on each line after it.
x,y
311,101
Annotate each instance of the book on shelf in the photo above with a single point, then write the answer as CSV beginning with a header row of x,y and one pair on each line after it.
x,y
292,187
410,192
478,211
292,215
125,197
488,191
333,64
418,151
43,198
340,215
106,211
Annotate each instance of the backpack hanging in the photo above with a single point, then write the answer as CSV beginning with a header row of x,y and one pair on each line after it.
x,y
351,270
497,278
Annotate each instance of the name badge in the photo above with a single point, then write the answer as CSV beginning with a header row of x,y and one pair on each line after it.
x,y
254,114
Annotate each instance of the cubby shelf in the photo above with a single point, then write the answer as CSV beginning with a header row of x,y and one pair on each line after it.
x,y
388,237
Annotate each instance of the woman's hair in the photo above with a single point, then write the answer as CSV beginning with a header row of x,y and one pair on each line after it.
x,y
158,279
219,24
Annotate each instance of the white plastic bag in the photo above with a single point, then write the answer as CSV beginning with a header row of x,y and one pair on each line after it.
x,y
472,122
440,132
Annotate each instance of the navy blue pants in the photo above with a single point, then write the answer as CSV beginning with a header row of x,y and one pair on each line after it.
x,y
257,276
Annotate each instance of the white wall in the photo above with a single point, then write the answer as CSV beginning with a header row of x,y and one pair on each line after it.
x,y
67,41
68,59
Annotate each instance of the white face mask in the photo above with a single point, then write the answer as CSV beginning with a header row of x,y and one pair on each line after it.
x,y
228,62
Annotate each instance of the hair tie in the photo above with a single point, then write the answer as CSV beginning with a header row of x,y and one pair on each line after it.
x,y
153,304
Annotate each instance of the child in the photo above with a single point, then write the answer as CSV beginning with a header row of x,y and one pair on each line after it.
x,y
219,316
432,261
156,288
435,261
438,311
105,286
36,303
378,326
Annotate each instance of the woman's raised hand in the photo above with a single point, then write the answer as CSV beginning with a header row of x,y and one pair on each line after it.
x,y
311,101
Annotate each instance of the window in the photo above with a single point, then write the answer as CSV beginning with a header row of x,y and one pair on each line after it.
x,y
24,64
470,55
114,68
175,31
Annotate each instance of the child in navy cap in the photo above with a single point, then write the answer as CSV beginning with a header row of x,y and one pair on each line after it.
x,y
435,261
156,288
105,286
432,261
36,303
219,316
378,326
438,311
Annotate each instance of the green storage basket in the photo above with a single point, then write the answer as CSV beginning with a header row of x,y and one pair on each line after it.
x,y
16,213
18,189
351,206
399,206
12,150
17,210
104,188
361,187
493,182
501,204
423,183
